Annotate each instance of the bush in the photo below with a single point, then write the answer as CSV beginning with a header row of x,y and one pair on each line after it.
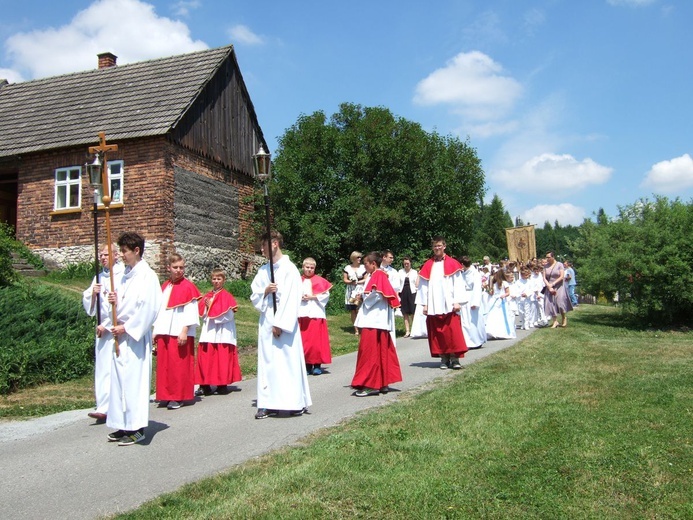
x,y
646,257
51,339
9,245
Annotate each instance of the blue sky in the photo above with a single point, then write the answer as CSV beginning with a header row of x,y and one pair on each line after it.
x,y
571,106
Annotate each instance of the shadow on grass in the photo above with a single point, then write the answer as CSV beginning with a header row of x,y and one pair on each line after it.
x,y
615,319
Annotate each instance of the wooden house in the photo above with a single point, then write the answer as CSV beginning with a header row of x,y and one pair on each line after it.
x,y
182,177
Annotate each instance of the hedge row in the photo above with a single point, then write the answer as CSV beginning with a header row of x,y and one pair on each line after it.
x,y
48,338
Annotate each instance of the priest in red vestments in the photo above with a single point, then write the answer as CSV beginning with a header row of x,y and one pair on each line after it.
x,y
312,319
377,364
217,355
174,330
442,293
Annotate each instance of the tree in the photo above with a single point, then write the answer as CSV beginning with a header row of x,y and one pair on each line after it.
x,y
365,179
489,235
646,256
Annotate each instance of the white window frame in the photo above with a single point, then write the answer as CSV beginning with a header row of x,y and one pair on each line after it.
x,y
116,177
66,185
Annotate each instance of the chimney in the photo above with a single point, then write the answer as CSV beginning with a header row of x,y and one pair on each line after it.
x,y
106,60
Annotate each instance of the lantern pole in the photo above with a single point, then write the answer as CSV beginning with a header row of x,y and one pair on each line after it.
x,y
262,165
96,254
102,149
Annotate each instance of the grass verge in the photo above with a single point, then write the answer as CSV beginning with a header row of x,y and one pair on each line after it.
x,y
592,421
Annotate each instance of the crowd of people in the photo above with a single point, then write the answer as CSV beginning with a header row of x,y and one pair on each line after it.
x,y
456,304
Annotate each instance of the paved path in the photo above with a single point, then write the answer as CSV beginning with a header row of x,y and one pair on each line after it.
x,y
61,466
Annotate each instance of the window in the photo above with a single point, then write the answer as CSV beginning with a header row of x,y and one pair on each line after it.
x,y
68,188
115,178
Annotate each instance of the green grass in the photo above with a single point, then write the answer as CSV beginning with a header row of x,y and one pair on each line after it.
x,y
592,421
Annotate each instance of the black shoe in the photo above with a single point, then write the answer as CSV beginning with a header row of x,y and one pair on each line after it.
x,y
116,436
223,390
264,413
298,413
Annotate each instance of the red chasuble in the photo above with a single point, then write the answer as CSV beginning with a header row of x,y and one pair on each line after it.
x,y
182,293
450,267
380,282
222,301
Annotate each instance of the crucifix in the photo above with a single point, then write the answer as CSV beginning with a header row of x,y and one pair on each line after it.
x,y
101,150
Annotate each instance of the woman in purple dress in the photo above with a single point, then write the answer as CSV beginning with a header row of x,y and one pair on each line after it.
x,y
556,299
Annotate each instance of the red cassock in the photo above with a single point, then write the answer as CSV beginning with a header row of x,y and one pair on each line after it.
x,y
175,364
445,335
377,364
314,333
217,362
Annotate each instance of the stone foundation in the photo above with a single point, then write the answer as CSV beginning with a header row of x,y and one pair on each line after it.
x,y
199,260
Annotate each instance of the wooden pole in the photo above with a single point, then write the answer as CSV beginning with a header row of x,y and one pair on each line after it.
x,y
103,149
97,264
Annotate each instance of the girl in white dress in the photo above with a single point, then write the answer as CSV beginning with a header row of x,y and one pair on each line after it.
x,y
500,320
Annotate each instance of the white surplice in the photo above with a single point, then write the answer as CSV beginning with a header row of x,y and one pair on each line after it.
x,y
282,382
473,323
103,346
139,299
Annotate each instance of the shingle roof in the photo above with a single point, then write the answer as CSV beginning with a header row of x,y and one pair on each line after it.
x,y
126,101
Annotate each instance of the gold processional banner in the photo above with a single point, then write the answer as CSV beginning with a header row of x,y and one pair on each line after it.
x,y
522,245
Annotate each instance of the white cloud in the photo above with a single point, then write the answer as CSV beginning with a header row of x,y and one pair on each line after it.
x,y
631,3
566,215
244,35
671,176
553,175
183,7
130,29
473,84
12,76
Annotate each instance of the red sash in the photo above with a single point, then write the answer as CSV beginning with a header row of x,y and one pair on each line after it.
x,y
222,301
450,267
380,282
182,293
319,284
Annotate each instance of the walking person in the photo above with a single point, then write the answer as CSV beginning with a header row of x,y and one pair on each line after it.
x,y
442,294
353,276
556,301
217,356
312,319
282,381
174,332
137,298
407,294
377,364
97,293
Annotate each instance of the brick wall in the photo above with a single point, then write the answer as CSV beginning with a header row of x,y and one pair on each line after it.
x,y
148,204
147,190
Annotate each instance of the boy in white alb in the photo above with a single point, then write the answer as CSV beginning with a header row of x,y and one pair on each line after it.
x,y
282,381
137,298
103,345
